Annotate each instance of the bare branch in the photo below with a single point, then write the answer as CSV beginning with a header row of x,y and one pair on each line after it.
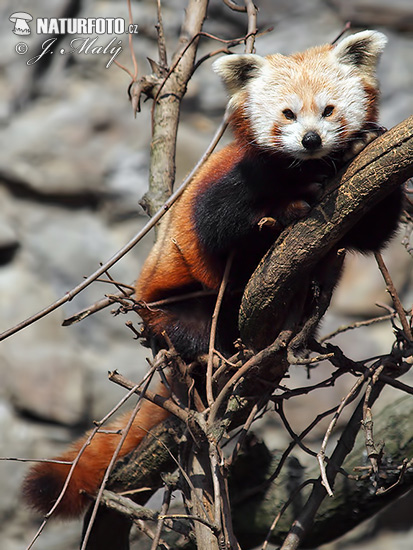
x,y
166,109
164,402
209,392
394,295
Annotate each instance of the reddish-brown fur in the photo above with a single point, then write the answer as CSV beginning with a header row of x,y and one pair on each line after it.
x,y
45,481
176,254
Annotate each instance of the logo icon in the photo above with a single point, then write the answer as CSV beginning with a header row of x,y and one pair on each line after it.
x,y
21,25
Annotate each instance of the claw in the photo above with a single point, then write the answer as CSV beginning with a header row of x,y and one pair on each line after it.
x,y
266,222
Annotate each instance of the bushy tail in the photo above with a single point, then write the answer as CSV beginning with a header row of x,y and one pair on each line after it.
x,y
45,481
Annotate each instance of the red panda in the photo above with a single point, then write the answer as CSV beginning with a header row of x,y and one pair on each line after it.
x,y
296,120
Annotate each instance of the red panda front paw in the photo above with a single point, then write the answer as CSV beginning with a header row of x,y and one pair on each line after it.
x,y
314,192
368,134
294,211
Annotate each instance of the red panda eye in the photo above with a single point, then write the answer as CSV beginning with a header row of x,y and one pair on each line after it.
x,y
289,115
328,111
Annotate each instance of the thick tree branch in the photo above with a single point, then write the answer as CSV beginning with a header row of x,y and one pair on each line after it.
x,y
168,94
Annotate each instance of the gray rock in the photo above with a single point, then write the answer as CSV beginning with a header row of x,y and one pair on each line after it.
x,y
9,242
362,286
50,384
398,14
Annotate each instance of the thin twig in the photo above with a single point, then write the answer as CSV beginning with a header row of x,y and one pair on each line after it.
x,y
135,63
278,344
49,461
116,501
129,290
228,530
231,42
234,6
328,382
224,366
394,295
346,27
284,508
192,518
119,286
178,298
125,289
382,491
396,384
161,518
321,454
243,434
355,325
212,333
309,360
113,459
367,424
216,476
164,402
279,409
252,25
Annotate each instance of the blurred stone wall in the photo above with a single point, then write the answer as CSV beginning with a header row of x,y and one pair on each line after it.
x,y
73,166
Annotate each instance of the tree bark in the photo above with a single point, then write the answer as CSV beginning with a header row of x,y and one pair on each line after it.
x,y
354,500
167,107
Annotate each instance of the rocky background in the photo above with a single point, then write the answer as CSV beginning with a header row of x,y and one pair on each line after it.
x,y
73,166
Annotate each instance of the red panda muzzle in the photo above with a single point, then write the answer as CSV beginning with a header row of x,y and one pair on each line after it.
x,y
311,141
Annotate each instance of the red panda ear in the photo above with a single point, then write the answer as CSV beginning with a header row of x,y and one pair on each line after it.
x,y
236,70
361,50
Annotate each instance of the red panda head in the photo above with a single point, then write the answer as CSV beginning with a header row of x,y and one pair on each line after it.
x,y
305,105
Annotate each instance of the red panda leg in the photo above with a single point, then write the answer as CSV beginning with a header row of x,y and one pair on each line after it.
x,y
45,481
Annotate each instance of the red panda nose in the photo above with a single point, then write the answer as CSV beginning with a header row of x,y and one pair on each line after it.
x,y
311,140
